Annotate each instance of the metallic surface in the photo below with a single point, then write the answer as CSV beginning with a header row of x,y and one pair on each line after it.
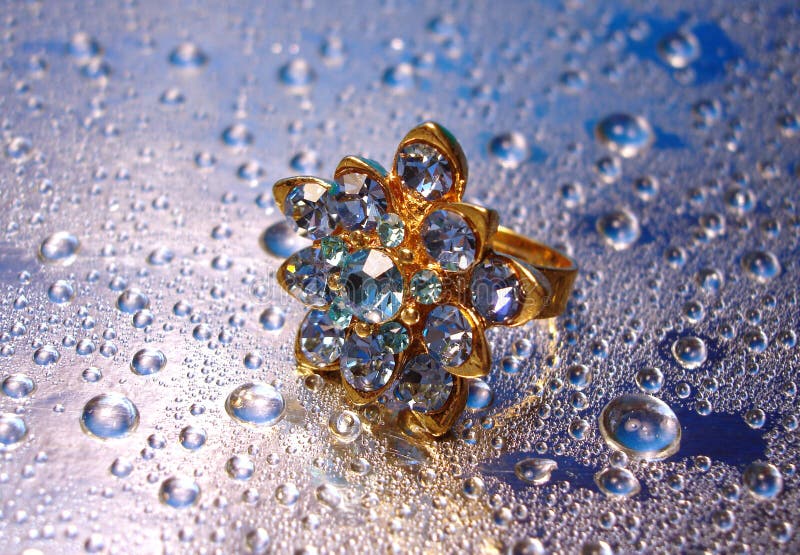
x,y
686,227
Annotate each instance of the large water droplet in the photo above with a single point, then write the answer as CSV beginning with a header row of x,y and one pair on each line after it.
x,y
641,426
148,361
12,430
619,228
509,149
60,292
257,404
179,492
763,480
281,240
18,386
188,55
617,482
535,471
761,266
109,416
679,49
690,351
624,134
59,248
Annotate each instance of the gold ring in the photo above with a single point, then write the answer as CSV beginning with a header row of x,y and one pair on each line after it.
x,y
403,278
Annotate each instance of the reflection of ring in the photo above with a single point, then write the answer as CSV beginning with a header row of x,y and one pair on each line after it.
x,y
403,278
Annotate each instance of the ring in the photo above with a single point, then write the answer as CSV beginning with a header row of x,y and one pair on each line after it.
x,y
403,278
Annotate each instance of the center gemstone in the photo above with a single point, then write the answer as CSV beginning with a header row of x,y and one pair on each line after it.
x,y
372,286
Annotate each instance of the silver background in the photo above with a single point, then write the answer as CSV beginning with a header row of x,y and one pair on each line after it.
x,y
104,152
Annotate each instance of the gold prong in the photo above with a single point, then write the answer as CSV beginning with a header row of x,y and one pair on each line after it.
x,y
535,291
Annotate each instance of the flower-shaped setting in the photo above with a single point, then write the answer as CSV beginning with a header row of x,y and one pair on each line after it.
x,y
403,278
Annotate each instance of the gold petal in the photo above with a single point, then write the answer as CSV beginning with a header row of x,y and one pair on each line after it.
x,y
442,140
282,188
437,423
535,291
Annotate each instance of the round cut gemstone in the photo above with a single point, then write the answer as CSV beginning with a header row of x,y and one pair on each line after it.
x,y
320,340
366,363
395,337
448,335
496,291
306,277
358,201
391,230
426,286
307,207
425,385
426,170
449,240
372,285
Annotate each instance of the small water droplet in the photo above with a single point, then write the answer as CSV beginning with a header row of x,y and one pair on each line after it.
x,y
624,134
535,471
109,416
59,248
509,149
256,404
188,55
179,492
620,228
12,430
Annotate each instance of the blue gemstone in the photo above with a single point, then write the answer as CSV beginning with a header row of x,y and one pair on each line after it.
x,y
372,285
448,335
306,277
366,363
496,291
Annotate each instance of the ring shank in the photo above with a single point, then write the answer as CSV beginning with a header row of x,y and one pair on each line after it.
x,y
559,269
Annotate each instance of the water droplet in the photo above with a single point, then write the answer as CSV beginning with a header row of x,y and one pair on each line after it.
x,y
509,149
679,49
121,467
256,404
761,266
12,430
624,134
345,426
535,471
281,240
287,494
148,361
179,492
60,292
82,45
690,351
237,135
763,480
480,395
641,426
617,482
240,467
132,300
620,229
59,248
188,55
272,318
18,386
192,437
19,149
297,73
399,78
109,416
46,355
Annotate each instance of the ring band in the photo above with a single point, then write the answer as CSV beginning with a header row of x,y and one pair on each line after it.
x,y
403,278
559,269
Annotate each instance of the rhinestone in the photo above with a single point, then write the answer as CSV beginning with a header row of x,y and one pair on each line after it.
x,y
496,291
358,201
366,364
448,335
395,337
334,249
425,385
307,207
306,276
391,230
425,286
449,240
425,169
320,340
339,313
372,285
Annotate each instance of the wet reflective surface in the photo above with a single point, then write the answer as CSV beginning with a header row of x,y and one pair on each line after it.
x,y
150,401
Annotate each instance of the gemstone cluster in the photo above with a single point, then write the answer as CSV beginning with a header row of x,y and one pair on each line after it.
x,y
401,278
